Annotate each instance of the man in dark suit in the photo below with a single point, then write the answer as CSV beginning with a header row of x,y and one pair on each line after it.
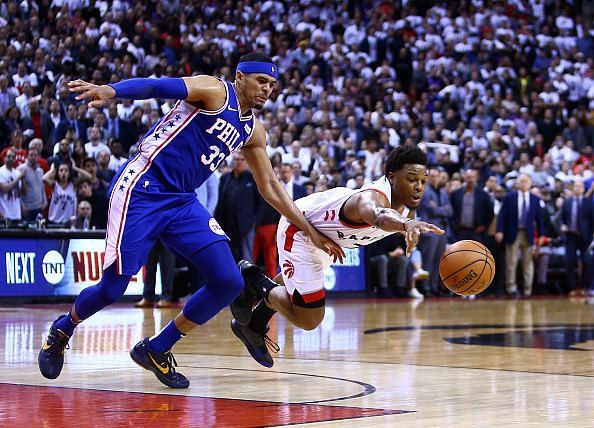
x,y
473,209
294,190
50,121
81,124
237,206
518,219
70,122
576,226
435,208
267,219
120,129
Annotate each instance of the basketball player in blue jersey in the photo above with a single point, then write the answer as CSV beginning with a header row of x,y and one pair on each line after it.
x,y
152,197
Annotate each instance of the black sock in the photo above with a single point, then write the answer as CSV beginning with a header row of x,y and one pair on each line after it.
x,y
263,284
260,317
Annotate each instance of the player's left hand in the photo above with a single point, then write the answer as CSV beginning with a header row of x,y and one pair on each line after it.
x,y
327,245
413,230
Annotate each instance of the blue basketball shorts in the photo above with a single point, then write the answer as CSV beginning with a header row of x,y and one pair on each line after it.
x,y
141,210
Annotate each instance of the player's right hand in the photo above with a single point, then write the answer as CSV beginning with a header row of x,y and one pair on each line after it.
x,y
327,245
97,93
413,230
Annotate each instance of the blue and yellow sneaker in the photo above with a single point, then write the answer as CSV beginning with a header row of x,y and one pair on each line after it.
x,y
162,365
242,305
51,356
256,343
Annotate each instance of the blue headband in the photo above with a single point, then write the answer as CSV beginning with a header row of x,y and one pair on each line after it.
x,y
258,67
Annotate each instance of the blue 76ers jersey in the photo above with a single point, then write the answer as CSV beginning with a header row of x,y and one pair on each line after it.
x,y
187,145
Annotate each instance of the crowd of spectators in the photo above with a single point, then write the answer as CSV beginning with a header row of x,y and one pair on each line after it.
x,y
490,89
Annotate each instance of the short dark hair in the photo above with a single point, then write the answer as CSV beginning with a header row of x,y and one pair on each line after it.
x,y
404,155
89,160
83,180
256,56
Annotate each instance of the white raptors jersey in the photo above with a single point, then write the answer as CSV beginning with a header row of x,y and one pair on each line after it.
x,y
63,203
324,212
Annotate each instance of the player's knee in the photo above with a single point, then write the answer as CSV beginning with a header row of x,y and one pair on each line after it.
x,y
228,283
310,320
309,324
235,282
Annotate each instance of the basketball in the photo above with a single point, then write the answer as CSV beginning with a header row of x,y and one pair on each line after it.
x,y
467,268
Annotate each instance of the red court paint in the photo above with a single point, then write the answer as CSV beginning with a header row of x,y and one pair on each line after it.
x,y
24,405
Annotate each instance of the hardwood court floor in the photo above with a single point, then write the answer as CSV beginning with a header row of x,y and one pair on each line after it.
x,y
437,363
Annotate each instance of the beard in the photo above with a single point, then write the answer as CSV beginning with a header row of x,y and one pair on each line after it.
x,y
259,106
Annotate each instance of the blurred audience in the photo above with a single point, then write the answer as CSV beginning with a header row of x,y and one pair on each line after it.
x,y
490,90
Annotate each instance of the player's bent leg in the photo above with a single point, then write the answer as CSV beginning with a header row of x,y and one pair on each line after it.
x,y
222,285
305,315
90,300
303,311
308,318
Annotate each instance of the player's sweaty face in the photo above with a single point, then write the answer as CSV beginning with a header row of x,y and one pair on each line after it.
x,y
259,88
408,185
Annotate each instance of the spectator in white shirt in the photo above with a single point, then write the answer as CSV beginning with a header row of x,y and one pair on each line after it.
x,y
12,186
373,159
549,97
22,76
117,158
23,100
95,144
34,200
564,22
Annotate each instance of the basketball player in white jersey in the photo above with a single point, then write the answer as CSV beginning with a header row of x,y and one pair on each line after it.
x,y
351,218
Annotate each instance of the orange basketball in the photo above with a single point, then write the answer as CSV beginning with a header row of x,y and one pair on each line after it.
x,y
467,268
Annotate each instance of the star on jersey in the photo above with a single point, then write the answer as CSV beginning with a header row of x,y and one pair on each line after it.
x,y
170,123
131,172
126,179
121,187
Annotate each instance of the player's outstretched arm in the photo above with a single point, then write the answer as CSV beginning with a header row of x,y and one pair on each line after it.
x,y
206,91
273,193
370,208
